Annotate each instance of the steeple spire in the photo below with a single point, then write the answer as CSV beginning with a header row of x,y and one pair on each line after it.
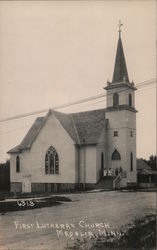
x,y
120,73
120,24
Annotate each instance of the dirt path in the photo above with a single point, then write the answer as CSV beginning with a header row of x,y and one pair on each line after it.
x,y
24,229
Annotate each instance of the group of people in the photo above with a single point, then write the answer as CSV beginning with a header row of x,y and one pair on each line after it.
x,y
108,172
118,170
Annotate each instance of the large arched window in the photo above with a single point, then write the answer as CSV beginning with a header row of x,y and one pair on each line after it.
x,y
131,161
51,161
130,100
116,155
115,100
17,164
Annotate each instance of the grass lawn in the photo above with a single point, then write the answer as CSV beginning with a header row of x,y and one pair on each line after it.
x,y
139,234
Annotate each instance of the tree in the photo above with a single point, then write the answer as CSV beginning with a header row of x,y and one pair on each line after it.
x,y
5,176
152,162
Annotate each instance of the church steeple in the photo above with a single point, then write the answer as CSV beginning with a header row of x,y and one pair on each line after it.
x,y
120,73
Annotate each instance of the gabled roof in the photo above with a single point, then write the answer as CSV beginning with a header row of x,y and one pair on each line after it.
x,y
141,165
83,128
147,172
30,136
66,121
89,125
120,69
15,149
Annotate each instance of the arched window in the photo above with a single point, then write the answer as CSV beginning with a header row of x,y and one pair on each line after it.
x,y
17,164
131,161
130,100
116,155
51,161
115,100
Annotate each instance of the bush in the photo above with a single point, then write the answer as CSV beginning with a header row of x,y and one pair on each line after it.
x,y
139,234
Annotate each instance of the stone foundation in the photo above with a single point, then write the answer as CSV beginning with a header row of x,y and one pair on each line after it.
x,y
51,187
16,187
82,186
148,185
131,184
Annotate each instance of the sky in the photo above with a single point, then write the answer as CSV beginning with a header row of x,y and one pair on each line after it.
x,y
53,53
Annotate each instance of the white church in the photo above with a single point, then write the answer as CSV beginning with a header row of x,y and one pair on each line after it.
x,y
67,151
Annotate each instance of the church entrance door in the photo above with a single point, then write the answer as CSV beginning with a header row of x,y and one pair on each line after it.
x,y
26,184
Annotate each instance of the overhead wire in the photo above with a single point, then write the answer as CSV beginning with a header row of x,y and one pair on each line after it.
x,y
101,101
139,85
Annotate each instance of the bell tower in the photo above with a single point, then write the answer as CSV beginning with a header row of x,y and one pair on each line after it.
x,y
121,115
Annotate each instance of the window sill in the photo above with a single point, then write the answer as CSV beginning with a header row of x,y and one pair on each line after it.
x,y
51,174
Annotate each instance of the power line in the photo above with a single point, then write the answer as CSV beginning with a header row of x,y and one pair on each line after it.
x,y
139,85
72,103
111,95
95,103
90,104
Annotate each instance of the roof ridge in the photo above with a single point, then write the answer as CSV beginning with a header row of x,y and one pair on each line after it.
x,y
87,111
75,129
38,130
79,126
75,138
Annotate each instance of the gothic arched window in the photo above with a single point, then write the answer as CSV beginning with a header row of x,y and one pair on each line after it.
x,y
51,161
131,161
115,100
130,100
17,164
116,155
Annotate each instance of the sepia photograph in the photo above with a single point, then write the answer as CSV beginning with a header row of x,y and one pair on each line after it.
x,y
78,167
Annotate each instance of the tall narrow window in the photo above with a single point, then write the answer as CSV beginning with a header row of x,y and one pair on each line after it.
x,y
102,161
115,100
131,161
17,164
51,161
102,165
130,100
116,155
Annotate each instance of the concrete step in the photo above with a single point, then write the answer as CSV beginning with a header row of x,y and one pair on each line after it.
x,y
105,183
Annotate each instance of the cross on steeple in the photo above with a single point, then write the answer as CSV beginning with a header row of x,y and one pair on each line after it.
x,y
120,24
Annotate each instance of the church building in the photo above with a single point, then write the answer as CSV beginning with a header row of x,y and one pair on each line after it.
x,y
67,151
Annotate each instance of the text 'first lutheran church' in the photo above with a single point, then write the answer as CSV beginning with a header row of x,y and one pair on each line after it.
x,y
67,151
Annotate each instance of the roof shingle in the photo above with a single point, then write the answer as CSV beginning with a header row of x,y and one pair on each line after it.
x,y
89,125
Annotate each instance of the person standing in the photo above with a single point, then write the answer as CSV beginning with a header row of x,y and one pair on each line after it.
x,y
105,172
110,172
116,171
120,170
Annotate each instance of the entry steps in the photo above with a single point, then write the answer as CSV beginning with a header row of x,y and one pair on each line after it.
x,y
106,183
